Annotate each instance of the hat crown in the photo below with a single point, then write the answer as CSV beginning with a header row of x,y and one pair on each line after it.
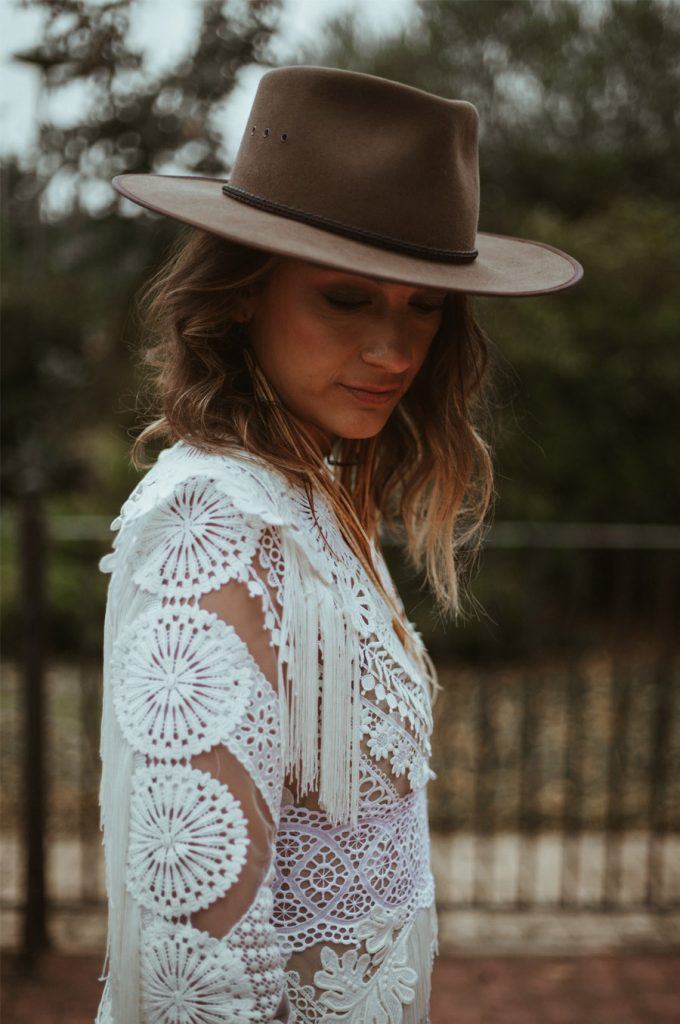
x,y
363,155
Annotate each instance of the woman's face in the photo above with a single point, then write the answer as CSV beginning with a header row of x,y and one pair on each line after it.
x,y
319,332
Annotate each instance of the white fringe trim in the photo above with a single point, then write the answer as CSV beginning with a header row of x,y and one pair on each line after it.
x,y
314,622
121,991
421,947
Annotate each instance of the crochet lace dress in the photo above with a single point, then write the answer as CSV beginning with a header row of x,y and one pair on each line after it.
x,y
265,750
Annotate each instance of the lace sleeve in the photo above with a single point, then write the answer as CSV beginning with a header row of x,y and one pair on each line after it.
x,y
194,683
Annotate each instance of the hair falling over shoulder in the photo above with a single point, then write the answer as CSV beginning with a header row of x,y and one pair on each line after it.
x,y
426,478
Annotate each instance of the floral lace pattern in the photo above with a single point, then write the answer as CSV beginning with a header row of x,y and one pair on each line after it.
x,y
329,878
341,924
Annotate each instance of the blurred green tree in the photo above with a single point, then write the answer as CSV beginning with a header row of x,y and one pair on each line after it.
x,y
70,262
72,255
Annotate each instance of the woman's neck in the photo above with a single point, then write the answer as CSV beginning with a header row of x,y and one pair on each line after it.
x,y
322,438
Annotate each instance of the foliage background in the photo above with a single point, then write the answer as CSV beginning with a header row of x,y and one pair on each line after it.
x,y
579,147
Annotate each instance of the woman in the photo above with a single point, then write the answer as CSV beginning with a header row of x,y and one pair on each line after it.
x,y
267,704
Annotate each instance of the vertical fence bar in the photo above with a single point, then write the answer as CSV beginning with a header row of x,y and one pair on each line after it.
x,y
486,762
526,877
83,822
572,809
619,725
574,699
531,688
32,600
667,577
89,712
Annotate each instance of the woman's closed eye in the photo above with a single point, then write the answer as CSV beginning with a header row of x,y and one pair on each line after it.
x,y
346,303
340,303
428,307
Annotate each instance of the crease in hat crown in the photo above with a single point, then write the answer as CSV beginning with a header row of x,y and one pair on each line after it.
x,y
363,156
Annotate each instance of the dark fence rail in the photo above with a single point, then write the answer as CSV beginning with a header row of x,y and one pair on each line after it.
x,y
557,737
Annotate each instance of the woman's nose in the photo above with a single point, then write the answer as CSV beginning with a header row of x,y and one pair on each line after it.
x,y
390,349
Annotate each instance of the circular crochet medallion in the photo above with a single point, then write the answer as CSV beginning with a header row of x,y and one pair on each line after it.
x,y
188,839
194,540
182,679
189,977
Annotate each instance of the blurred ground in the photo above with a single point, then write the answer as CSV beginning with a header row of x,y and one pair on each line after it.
x,y
598,989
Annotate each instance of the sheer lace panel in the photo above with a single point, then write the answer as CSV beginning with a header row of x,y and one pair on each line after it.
x,y
233,604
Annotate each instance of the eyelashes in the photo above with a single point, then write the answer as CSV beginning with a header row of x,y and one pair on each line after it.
x,y
347,304
428,309
343,303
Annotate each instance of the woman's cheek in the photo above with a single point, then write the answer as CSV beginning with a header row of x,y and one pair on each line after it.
x,y
427,343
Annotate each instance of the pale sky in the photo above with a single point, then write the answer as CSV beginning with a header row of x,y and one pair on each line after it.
x,y
161,28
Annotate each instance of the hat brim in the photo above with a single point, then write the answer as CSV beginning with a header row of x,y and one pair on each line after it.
x,y
505,265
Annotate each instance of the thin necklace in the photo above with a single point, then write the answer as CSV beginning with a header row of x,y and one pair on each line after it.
x,y
338,462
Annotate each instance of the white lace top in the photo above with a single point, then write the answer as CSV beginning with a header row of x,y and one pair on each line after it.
x,y
265,755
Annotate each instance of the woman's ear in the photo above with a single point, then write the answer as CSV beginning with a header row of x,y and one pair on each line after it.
x,y
245,306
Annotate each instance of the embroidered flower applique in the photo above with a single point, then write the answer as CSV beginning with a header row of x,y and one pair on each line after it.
x,y
377,930
380,741
350,996
402,756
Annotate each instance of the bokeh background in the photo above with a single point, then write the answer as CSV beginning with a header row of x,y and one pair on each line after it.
x,y
556,810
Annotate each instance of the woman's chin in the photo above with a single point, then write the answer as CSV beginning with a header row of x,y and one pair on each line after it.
x,y
360,432
347,429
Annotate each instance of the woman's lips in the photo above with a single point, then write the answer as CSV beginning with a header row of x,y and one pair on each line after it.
x,y
371,397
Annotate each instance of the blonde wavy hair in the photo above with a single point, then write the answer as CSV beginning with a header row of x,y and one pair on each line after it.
x,y
426,478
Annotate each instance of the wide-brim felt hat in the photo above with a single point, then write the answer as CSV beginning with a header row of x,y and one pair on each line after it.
x,y
363,174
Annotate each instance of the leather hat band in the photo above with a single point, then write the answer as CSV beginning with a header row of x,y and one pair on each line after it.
x,y
360,234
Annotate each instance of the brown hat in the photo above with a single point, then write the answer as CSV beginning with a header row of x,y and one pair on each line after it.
x,y
364,174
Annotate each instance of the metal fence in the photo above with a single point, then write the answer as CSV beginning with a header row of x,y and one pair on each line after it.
x,y
556,745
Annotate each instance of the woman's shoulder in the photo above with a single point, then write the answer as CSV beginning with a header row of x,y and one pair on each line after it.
x,y
230,494
251,484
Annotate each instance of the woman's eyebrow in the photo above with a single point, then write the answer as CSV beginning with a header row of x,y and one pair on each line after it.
x,y
356,281
345,277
